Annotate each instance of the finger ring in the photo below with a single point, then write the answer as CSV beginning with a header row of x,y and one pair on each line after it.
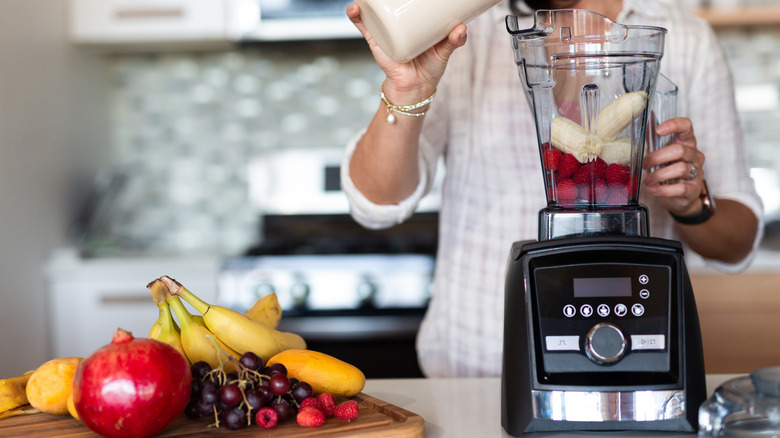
x,y
694,171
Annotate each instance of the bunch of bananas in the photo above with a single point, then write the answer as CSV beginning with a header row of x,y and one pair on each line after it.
x,y
13,396
218,332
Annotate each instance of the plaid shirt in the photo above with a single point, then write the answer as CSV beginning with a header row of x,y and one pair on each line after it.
x,y
481,124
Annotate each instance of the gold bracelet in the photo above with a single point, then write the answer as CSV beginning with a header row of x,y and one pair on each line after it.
x,y
403,109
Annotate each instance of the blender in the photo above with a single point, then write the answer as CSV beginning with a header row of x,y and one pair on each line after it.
x,y
601,330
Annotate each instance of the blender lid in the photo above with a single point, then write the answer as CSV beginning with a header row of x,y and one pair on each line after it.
x,y
561,33
580,25
745,406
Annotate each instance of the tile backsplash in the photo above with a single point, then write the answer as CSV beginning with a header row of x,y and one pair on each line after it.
x,y
186,124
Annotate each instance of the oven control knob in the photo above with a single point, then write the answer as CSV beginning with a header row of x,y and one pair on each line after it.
x,y
366,292
605,343
263,289
299,292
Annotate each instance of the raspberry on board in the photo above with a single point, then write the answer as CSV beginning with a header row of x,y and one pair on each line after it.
x,y
312,402
347,410
328,402
267,418
310,417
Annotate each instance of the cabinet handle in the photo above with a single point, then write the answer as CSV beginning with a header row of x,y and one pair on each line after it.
x,y
130,298
144,14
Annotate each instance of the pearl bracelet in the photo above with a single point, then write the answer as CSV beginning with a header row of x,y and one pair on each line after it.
x,y
403,109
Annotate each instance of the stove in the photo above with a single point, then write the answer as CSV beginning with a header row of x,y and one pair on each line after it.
x,y
358,294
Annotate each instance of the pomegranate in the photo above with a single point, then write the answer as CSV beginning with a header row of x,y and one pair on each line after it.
x,y
131,387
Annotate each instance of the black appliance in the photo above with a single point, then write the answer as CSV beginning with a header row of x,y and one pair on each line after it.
x,y
601,331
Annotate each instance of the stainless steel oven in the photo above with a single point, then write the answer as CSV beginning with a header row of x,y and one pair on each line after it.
x,y
355,293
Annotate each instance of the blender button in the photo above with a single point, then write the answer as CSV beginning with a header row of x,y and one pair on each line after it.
x,y
569,310
644,294
648,342
562,343
586,310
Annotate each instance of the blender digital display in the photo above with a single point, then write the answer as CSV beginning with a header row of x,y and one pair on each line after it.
x,y
602,287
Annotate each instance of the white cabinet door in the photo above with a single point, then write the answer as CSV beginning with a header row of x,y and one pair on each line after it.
x,y
134,21
90,299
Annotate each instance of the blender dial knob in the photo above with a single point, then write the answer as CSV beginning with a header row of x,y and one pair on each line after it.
x,y
605,343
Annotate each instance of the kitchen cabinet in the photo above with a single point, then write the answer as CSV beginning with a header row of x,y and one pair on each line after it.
x,y
90,298
740,318
202,23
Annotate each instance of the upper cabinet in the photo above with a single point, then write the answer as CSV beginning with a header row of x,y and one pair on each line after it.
x,y
124,22
151,24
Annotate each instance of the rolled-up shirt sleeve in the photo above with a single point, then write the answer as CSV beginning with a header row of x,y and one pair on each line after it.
x,y
432,144
376,216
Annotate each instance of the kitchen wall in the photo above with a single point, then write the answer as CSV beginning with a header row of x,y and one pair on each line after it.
x,y
49,108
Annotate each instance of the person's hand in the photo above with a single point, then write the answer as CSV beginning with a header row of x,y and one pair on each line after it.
x,y
681,167
418,78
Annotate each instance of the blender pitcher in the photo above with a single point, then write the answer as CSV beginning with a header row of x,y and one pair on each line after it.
x,y
589,81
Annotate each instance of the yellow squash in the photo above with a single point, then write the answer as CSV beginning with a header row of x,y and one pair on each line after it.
x,y
323,372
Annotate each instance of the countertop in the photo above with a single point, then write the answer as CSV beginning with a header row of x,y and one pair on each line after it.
x,y
471,407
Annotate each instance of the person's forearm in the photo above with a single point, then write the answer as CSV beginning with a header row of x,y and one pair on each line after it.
x,y
384,165
727,236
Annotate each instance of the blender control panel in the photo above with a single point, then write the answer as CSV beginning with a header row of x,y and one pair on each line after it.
x,y
592,316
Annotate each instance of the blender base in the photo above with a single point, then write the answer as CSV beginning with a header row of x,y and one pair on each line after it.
x,y
574,361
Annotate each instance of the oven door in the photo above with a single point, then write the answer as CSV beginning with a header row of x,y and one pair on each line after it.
x,y
380,343
364,309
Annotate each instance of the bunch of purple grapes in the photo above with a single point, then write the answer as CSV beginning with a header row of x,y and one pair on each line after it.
x,y
234,398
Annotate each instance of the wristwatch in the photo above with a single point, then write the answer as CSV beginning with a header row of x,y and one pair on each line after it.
x,y
707,209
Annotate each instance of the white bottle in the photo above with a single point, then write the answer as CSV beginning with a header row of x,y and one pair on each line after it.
x,y
403,29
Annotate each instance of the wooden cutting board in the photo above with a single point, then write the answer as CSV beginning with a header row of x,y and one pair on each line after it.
x,y
376,418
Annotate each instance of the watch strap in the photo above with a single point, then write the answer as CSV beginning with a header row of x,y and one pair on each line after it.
x,y
707,209
694,219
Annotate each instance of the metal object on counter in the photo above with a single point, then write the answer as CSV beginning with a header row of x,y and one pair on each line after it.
x,y
746,406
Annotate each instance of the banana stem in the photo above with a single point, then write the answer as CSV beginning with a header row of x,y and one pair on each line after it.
x,y
168,325
181,312
176,288
159,291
